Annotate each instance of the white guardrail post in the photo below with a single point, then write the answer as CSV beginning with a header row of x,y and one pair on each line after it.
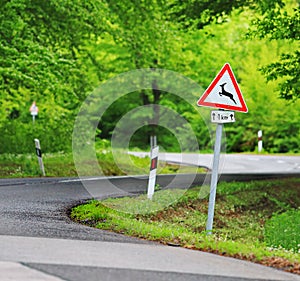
x,y
153,168
39,156
260,141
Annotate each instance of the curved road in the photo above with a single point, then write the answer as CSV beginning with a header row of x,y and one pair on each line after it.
x,y
235,163
39,242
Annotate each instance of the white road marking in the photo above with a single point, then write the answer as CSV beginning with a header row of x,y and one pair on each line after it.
x,y
253,159
12,271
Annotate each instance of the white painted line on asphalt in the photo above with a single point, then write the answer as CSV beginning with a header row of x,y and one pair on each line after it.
x,y
102,178
253,159
80,180
86,179
12,271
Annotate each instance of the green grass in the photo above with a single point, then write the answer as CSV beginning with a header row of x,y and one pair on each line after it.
x,y
283,231
62,165
174,216
112,163
56,165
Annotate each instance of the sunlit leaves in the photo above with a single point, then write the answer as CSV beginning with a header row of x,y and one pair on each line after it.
x,y
288,67
282,23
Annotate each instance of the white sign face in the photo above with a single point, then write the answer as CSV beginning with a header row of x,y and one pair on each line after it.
x,y
224,92
34,109
220,116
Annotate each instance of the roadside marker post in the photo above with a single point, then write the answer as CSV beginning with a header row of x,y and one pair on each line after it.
x,y
39,156
260,141
152,174
223,93
153,141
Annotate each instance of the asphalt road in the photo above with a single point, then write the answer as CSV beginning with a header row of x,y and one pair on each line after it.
x,y
39,242
235,163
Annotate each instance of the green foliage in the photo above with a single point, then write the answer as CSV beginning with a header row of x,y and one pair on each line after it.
x,y
38,49
40,59
201,13
282,23
283,231
51,127
288,67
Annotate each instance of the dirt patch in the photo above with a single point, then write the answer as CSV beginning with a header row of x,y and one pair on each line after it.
x,y
282,264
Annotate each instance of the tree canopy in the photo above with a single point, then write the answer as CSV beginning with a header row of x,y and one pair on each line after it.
x,y
282,22
40,42
55,52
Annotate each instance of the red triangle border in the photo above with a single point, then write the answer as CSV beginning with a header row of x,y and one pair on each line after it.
x,y
202,102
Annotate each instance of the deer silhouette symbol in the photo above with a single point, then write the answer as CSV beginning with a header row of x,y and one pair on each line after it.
x,y
225,93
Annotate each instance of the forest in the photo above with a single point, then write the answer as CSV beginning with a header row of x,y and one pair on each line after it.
x,y
57,52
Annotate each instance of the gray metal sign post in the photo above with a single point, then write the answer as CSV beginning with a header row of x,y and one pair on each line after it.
x,y
219,117
214,179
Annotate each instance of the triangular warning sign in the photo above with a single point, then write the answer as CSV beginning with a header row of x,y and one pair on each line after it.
x,y
224,92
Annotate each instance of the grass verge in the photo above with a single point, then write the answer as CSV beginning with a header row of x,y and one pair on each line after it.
x,y
26,165
178,218
62,165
